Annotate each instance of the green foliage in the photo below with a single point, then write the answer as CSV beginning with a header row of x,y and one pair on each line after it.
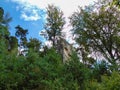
x,y
108,83
4,32
20,32
20,73
46,71
98,32
50,67
4,18
55,22
116,3
34,44
32,71
80,73
13,43
99,69
1,14
112,82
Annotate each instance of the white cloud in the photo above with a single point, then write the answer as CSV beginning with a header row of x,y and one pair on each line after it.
x,y
67,6
30,15
28,11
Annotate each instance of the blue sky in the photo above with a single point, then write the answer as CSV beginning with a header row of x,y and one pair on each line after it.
x,y
30,14
33,26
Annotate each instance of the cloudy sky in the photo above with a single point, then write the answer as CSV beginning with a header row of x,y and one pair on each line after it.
x,y
30,14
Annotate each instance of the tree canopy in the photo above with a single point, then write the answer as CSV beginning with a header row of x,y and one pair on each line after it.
x,y
55,23
96,32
